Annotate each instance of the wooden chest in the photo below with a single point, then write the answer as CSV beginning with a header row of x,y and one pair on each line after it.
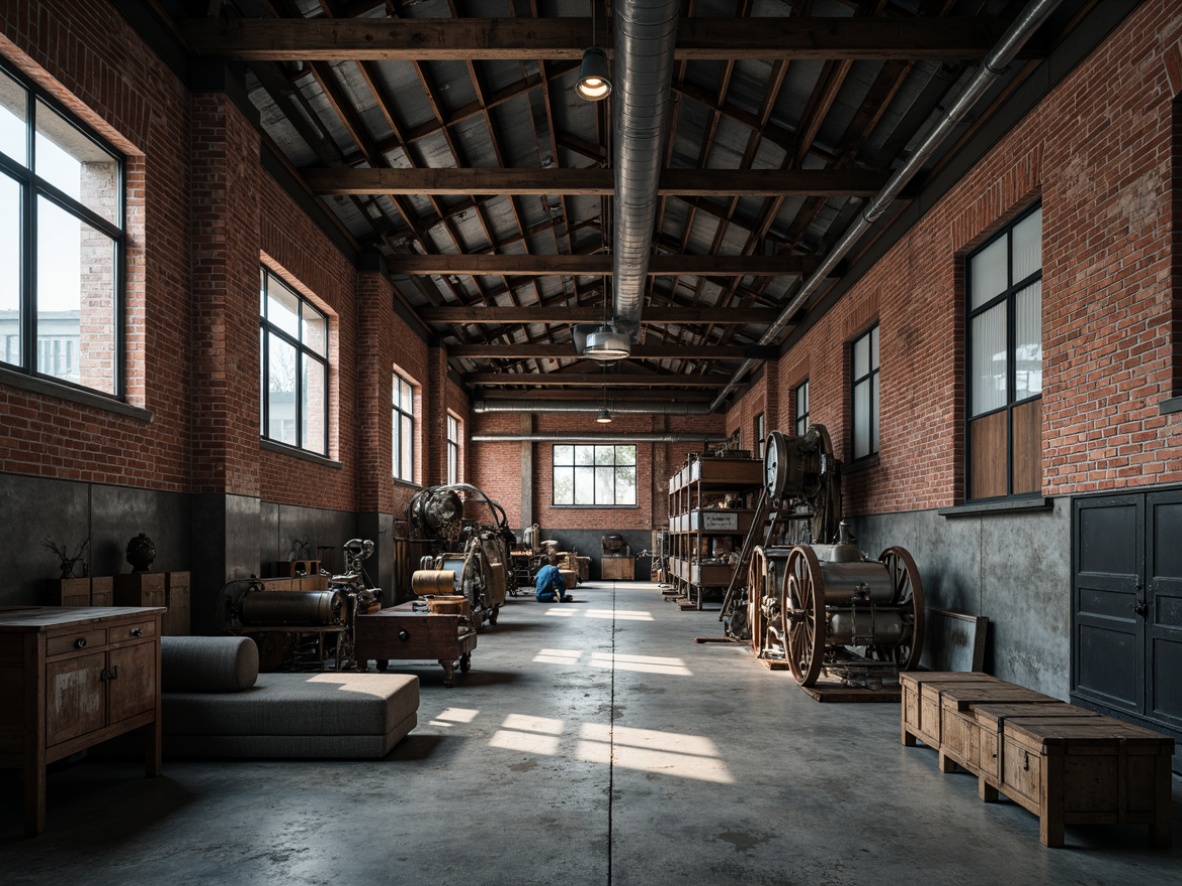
x,y
1093,770
991,719
921,724
959,733
408,631
617,568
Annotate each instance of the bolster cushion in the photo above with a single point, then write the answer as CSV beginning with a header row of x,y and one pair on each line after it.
x,y
208,664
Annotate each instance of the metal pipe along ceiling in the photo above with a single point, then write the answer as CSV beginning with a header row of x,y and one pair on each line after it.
x,y
1032,17
650,407
645,34
558,437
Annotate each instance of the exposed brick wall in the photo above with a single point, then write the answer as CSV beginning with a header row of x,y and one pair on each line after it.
x,y
1098,153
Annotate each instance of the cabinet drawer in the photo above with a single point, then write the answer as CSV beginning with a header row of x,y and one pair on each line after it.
x,y
136,630
87,638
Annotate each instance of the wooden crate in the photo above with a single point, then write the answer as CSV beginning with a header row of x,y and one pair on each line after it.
x,y
991,719
175,622
1085,771
913,723
140,589
617,568
102,590
960,736
67,592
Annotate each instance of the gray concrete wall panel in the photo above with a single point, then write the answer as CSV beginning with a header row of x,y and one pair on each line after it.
x,y
119,513
33,509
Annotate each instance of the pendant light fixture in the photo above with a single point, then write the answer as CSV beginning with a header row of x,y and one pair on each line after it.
x,y
595,79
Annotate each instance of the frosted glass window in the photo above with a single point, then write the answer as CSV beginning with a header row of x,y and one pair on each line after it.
x,y
989,360
862,356
864,395
861,427
599,476
14,129
1028,342
802,408
988,275
1027,246
281,390
283,307
404,429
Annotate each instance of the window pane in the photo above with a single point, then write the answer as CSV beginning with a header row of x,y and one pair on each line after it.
x,y
314,397
70,161
874,348
585,486
281,391
605,455
861,419
13,123
605,486
861,357
564,455
408,448
315,331
283,307
625,455
396,448
564,486
987,272
626,485
263,383
10,270
76,330
989,360
584,455
1027,246
1028,342
874,413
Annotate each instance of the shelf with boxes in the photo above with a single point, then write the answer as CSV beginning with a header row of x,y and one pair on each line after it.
x,y
710,512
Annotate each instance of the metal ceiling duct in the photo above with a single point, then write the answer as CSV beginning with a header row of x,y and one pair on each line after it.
x,y
645,34
1031,19
650,407
607,436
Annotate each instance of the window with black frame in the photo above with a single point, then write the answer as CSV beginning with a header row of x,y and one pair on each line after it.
x,y
760,434
62,238
864,394
293,348
800,407
1003,282
595,475
404,429
453,449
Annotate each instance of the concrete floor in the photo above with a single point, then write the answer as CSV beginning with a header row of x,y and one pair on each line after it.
x,y
592,743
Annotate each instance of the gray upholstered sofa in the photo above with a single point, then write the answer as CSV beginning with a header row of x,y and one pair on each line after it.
x,y
217,704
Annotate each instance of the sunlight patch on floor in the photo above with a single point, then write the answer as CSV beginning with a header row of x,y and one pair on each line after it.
x,y
647,750
558,656
640,664
452,716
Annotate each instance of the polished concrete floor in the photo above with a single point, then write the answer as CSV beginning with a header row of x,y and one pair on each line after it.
x,y
592,743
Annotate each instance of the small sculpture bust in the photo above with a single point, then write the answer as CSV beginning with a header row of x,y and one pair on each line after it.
x,y
141,551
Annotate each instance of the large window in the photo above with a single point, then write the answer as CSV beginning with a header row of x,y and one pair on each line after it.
x,y
864,395
760,434
1004,287
453,449
61,243
404,429
800,407
599,476
293,339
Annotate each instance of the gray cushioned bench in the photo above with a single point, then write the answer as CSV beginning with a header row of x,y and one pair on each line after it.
x,y
217,704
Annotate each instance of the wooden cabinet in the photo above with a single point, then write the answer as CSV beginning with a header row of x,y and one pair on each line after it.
x,y
71,678
710,514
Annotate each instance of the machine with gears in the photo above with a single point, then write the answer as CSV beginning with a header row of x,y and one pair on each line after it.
x,y
804,594
470,541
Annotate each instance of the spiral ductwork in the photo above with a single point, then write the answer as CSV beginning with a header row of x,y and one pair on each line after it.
x,y
645,34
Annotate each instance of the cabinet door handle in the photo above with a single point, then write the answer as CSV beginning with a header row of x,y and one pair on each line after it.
x,y
137,632
80,643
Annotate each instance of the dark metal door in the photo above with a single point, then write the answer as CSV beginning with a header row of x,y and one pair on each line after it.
x,y
1108,640
1163,608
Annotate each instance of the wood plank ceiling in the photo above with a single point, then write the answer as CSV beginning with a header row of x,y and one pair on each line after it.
x,y
446,135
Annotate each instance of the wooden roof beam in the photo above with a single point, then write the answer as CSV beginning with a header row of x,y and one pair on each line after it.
x,y
595,379
601,264
527,350
567,314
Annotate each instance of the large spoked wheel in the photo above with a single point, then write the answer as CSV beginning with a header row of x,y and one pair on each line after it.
x,y
904,576
804,615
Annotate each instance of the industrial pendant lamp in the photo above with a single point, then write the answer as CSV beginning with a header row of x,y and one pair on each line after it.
x,y
604,417
595,79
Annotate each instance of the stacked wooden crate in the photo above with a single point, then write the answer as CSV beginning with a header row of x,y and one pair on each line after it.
x,y
1065,764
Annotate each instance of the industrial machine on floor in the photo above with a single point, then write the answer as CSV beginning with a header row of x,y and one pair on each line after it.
x,y
470,543
811,599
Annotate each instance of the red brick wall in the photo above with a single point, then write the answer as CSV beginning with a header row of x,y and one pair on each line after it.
x,y
1098,153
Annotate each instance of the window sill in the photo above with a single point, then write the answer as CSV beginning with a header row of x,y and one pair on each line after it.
x,y
1169,407
406,484
284,449
1008,506
37,385
862,464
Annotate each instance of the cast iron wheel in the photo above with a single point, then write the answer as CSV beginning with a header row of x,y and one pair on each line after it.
x,y
804,615
908,592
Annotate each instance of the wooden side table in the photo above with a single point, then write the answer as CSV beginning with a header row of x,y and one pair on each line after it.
x,y
71,677
406,632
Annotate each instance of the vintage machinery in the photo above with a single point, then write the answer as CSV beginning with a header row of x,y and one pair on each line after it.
x,y
470,540
294,627
816,602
